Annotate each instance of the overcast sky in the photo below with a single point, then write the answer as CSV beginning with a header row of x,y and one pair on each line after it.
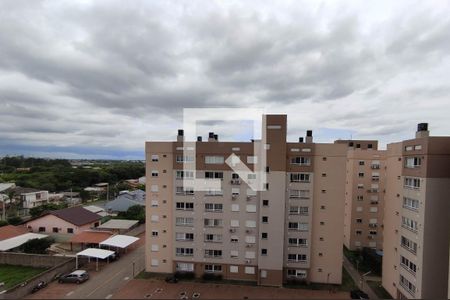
x,y
98,78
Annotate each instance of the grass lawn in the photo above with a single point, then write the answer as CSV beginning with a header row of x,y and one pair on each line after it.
x,y
379,290
13,275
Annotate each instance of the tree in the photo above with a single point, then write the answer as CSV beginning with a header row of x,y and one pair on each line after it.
x,y
15,220
135,212
40,210
3,223
37,246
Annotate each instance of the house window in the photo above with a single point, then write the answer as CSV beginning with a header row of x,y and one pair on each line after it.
x,y
69,230
408,244
214,175
213,253
41,229
409,224
184,252
265,202
265,219
55,229
264,235
154,173
360,174
358,220
300,160
252,159
155,157
407,264
263,251
212,222
361,163
154,233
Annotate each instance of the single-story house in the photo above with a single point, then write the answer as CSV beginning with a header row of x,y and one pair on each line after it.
x,y
71,220
12,237
125,200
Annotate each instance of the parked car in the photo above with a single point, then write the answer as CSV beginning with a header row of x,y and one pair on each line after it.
x,y
77,277
358,294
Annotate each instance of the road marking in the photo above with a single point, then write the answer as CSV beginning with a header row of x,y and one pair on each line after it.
x,y
109,296
69,293
126,278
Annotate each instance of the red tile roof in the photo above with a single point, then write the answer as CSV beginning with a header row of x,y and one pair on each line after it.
x,y
91,237
10,231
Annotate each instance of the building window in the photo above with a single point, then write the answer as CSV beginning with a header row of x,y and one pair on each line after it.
x,y
409,224
154,233
265,219
182,236
185,267
184,252
154,173
212,222
185,174
300,160
358,232
264,252
213,238
213,253
360,174
297,257
217,160
298,226
358,220
184,158
302,194
252,159
249,270
41,229
180,221
264,235
213,207
300,177
408,245
411,204
69,230
213,268
408,286
185,206
265,202
407,264
155,157
413,162
369,146
214,175
296,273
55,229
359,198
297,242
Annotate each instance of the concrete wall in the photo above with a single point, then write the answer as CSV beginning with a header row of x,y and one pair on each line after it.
x,y
57,265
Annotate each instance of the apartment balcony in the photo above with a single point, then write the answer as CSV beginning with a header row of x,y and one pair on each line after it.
x,y
405,286
405,267
235,181
414,230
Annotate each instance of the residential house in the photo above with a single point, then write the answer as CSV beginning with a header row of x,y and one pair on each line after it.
x,y
68,221
125,200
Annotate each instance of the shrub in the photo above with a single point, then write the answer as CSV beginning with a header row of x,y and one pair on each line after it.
x,y
184,275
16,220
212,276
37,246
3,223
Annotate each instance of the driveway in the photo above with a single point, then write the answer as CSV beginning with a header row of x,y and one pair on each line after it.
x,y
102,284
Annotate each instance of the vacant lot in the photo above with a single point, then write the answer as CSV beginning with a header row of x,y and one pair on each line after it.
x,y
13,275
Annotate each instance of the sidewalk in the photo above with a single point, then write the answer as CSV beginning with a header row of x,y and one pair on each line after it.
x,y
357,278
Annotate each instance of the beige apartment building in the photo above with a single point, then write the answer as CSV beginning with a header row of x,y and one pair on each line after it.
x,y
416,219
294,228
364,195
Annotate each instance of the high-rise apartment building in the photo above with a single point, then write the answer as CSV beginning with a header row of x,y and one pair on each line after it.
x,y
291,229
364,195
416,218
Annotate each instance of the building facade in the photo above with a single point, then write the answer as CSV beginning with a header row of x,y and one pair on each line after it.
x,y
364,195
291,229
416,219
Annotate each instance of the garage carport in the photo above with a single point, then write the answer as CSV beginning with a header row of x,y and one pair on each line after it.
x,y
95,253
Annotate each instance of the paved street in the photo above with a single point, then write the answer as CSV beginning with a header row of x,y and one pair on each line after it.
x,y
102,284
357,278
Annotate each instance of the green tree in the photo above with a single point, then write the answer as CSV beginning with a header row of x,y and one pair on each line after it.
x,y
40,210
135,212
3,223
15,220
37,246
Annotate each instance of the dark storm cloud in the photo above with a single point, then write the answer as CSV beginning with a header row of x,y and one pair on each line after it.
x,y
113,74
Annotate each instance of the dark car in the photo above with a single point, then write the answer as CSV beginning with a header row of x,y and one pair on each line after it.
x,y
77,277
358,294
